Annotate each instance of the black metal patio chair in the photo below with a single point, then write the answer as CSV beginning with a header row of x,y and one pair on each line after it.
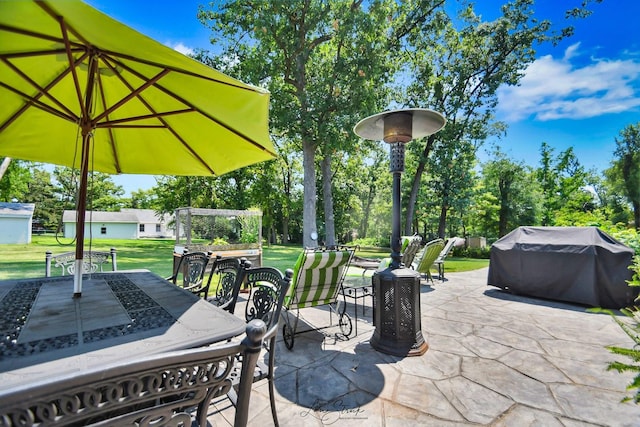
x,y
165,389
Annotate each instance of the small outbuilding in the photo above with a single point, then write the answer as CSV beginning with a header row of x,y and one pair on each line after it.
x,y
15,222
582,265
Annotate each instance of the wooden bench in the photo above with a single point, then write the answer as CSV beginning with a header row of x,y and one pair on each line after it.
x,y
92,262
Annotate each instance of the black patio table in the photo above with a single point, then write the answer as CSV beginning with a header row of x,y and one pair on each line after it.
x,y
120,315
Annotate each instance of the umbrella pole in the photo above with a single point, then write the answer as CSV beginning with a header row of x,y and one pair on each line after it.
x,y
80,213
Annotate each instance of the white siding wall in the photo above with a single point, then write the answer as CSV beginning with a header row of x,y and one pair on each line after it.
x,y
150,230
114,230
15,230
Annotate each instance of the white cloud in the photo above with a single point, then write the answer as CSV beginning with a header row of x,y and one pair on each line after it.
x,y
556,89
180,47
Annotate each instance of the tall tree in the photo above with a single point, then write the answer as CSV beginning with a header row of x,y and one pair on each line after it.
x,y
4,166
452,179
562,180
511,184
627,166
322,61
144,199
102,193
458,65
14,183
42,193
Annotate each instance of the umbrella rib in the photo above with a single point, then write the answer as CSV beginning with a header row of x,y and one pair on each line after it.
x,y
110,131
57,17
63,27
137,93
239,85
42,91
33,101
54,15
29,33
37,53
111,123
132,94
155,113
186,103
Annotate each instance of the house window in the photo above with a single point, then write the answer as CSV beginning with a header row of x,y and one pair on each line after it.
x,y
142,228
103,230
158,228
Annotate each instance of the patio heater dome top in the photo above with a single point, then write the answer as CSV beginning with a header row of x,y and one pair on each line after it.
x,y
400,125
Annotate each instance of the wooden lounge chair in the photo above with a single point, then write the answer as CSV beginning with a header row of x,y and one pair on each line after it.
x,y
318,276
424,262
163,389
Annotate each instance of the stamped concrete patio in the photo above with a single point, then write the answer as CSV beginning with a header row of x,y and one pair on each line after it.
x,y
494,359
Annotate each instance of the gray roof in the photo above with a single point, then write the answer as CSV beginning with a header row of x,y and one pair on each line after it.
x,y
17,209
148,216
135,216
99,216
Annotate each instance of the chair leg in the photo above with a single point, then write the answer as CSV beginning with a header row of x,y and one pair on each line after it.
x,y
272,396
429,277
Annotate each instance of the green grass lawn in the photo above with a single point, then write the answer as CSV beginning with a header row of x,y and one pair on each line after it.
x,y
156,255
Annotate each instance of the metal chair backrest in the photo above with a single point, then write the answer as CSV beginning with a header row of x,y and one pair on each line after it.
x,y
154,390
92,261
268,288
227,275
192,267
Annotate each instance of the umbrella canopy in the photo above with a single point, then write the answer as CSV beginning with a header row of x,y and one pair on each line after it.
x,y
80,89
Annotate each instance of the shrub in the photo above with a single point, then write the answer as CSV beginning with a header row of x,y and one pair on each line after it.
x,y
219,241
370,242
632,329
478,253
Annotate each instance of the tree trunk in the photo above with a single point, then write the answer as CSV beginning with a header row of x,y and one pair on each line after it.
x,y
415,186
636,214
442,224
310,196
327,196
504,207
4,166
364,225
285,229
286,184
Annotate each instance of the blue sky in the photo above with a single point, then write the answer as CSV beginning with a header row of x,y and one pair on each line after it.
x,y
581,93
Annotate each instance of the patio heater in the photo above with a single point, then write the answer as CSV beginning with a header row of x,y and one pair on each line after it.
x,y
396,290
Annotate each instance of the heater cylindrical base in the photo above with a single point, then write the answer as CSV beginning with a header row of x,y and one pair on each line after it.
x,y
396,319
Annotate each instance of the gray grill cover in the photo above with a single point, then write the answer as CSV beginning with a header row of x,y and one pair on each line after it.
x,y
583,265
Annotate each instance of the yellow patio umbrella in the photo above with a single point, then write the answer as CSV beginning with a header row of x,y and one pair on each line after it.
x,y
80,89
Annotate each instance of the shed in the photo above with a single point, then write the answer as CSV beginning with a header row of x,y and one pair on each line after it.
x,y
15,222
582,265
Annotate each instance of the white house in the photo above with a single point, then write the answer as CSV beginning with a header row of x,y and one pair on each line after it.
x,y
126,224
15,222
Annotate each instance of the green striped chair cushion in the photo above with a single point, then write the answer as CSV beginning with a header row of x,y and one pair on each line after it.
x,y
317,277
409,248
